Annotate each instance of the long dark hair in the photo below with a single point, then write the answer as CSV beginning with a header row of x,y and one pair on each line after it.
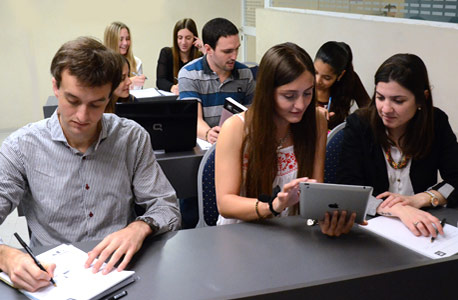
x,y
189,24
111,106
409,71
340,57
280,65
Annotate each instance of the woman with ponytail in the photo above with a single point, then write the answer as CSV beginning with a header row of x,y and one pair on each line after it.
x,y
337,84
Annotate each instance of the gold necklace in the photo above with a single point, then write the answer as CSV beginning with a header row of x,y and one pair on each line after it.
x,y
401,164
283,140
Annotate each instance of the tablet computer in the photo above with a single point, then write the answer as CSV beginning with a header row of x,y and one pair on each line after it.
x,y
318,198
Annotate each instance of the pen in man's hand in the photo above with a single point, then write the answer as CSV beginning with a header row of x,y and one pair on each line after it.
x,y
29,251
437,231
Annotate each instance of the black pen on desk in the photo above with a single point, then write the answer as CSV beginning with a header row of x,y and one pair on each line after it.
x,y
29,251
437,231
118,296
157,90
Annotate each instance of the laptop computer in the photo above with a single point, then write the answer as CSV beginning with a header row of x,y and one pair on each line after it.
x,y
318,198
172,124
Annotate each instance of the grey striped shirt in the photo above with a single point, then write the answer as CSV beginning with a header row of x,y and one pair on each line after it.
x,y
68,196
198,81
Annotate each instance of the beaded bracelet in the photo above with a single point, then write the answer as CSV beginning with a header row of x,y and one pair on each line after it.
x,y
257,210
206,134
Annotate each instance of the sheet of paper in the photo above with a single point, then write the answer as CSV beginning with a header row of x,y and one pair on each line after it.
x,y
151,92
394,230
73,281
204,145
165,93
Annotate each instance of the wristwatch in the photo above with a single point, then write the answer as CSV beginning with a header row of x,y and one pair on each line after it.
x,y
434,200
150,221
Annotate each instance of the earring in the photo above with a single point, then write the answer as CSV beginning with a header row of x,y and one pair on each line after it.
x,y
419,108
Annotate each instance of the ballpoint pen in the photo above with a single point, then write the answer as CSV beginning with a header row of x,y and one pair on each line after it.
x,y
437,231
328,107
29,251
157,90
136,74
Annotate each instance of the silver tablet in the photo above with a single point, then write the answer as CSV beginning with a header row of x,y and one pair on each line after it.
x,y
318,198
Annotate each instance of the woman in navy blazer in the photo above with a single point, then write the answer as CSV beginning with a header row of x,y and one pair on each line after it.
x,y
398,144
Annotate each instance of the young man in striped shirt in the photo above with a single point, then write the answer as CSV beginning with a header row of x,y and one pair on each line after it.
x,y
79,173
215,76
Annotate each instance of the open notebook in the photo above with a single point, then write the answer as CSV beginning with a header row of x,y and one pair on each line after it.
x,y
394,230
73,281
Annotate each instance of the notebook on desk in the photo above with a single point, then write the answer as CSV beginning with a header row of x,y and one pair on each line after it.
x,y
73,280
171,124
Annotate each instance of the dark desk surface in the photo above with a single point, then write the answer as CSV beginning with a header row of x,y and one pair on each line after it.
x,y
283,258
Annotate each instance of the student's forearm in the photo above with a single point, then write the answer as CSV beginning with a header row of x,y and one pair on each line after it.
x,y
202,129
242,208
385,211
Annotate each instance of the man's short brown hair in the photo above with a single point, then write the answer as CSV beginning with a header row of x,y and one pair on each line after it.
x,y
89,61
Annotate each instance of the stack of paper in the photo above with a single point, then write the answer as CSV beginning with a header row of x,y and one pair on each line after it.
x,y
148,93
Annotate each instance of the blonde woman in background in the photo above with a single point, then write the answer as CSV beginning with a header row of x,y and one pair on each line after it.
x,y
117,37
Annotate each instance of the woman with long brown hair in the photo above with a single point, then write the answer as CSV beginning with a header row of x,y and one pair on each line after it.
x,y
280,141
186,47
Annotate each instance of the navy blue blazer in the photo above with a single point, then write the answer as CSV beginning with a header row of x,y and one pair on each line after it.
x,y
362,161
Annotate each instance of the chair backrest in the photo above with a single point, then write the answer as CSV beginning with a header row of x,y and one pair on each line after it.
x,y
333,147
254,71
253,68
206,194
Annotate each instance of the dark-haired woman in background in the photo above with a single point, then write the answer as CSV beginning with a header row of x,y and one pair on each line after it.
x,y
186,47
398,144
337,84
121,94
279,141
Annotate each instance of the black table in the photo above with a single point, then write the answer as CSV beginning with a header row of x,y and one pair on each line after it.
x,y
283,258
